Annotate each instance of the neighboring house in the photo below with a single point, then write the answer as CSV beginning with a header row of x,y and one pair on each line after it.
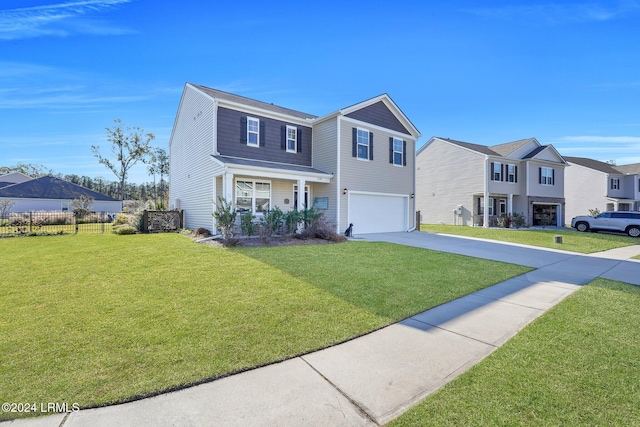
x,y
469,184
356,165
13,178
591,184
48,193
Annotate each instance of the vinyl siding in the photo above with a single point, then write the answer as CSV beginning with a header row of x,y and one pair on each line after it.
x,y
537,189
377,175
230,132
325,158
506,187
584,189
378,114
190,149
448,176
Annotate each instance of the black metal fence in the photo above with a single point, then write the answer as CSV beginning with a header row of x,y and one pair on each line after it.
x,y
55,222
162,221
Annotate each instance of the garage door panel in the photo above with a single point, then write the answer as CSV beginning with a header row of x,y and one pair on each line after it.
x,y
377,213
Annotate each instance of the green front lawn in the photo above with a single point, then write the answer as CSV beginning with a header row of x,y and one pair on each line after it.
x,y
577,365
97,319
572,240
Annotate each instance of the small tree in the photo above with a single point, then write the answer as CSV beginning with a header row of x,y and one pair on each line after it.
x,y
594,212
81,206
246,223
128,147
5,209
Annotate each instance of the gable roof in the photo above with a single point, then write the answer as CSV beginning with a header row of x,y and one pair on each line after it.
x,y
49,187
13,178
483,149
509,147
241,100
593,164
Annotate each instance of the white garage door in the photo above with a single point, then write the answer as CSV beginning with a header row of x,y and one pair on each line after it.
x,y
373,213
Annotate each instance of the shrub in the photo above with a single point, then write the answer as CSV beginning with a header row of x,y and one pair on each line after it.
x,y
225,216
594,212
247,225
291,220
518,220
504,221
124,229
270,223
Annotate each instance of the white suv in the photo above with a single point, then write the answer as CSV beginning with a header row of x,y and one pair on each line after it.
x,y
623,221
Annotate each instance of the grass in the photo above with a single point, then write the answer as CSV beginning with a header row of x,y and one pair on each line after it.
x,y
98,319
572,240
577,365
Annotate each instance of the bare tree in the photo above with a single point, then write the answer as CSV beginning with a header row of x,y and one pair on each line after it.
x,y
128,147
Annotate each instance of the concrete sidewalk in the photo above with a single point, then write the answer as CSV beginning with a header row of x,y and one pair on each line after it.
x,y
375,378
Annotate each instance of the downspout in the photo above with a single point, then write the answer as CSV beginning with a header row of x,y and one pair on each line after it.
x,y
485,218
338,191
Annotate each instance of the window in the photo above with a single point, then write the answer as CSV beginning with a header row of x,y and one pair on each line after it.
x,y
398,152
253,132
253,195
363,144
546,176
497,171
615,183
512,173
292,139
305,204
481,206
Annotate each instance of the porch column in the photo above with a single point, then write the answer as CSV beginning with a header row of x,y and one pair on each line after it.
x,y
510,210
227,187
487,171
301,184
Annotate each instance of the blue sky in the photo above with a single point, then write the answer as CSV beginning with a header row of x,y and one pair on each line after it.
x,y
565,72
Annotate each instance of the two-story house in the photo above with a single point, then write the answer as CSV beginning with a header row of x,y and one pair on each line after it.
x,y
461,183
356,165
592,184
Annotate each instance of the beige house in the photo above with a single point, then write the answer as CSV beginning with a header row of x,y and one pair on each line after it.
x,y
356,165
592,184
461,183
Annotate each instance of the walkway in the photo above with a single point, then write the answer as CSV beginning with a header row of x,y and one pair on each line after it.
x,y
373,379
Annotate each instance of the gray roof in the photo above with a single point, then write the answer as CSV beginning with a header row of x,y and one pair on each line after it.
x,y
509,147
218,94
49,187
535,151
593,164
633,168
475,147
270,165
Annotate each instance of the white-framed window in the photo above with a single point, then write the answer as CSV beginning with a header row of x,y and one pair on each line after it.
x,y
511,173
481,206
546,176
66,206
363,144
292,139
615,183
497,171
253,131
254,195
397,152
305,203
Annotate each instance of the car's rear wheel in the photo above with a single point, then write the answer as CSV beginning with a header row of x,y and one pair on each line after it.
x,y
582,226
633,231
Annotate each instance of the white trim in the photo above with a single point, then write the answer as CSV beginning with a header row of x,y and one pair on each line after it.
x,y
358,144
215,126
253,180
376,193
307,189
359,123
244,108
250,144
401,151
295,139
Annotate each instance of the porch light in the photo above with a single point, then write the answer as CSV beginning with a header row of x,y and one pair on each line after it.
x,y
413,195
344,191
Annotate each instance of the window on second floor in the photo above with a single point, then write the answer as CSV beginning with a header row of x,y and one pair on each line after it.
x,y
546,176
496,171
512,173
292,139
362,144
398,152
253,132
615,183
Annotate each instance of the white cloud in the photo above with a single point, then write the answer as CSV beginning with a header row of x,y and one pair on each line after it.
x,y
602,139
57,20
559,13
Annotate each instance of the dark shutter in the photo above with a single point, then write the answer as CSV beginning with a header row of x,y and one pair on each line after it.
x,y
283,137
243,130
515,171
479,206
404,153
370,146
354,142
299,141
539,175
495,206
491,171
390,150
262,134
553,177
503,172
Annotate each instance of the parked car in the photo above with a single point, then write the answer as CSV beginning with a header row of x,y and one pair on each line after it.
x,y
622,221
